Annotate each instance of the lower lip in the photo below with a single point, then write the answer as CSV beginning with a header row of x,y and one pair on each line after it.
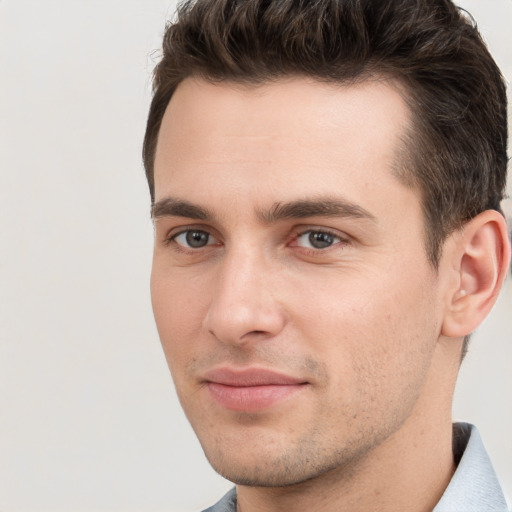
x,y
251,398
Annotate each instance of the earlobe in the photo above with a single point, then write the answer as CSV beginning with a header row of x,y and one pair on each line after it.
x,y
481,256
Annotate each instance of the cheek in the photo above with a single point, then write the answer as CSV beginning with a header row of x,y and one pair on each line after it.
x,y
179,308
371,330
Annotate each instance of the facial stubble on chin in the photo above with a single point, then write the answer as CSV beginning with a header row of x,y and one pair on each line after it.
x,y
300,465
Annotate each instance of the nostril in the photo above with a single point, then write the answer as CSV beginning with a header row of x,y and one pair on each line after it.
x,y
242,321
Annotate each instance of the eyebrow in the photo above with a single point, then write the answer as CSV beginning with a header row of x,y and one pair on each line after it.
x,y
317,207
299,209
171,207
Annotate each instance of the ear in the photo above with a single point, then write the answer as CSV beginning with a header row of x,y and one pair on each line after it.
x,y
480,257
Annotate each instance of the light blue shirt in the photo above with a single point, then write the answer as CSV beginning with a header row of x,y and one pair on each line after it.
x,y
474,486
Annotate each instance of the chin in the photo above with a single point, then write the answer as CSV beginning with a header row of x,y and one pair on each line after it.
x,y
264,475
259,467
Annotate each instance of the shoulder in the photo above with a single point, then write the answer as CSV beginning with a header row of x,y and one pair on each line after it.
x,y
226,504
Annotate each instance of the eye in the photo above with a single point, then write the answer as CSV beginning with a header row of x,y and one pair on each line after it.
x,y
194,239
317,239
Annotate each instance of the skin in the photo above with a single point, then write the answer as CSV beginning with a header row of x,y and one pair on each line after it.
x,y
359,321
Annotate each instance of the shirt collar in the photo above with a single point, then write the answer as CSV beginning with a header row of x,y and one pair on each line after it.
x,y
474,486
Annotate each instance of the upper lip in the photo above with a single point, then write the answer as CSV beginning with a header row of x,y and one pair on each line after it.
x,y
250,377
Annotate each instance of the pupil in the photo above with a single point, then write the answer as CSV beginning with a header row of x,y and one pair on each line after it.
x,y
320,240
197,238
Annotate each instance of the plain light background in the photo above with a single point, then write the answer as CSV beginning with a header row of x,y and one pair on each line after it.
x,y
88,417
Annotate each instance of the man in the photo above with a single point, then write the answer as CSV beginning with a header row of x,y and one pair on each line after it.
x,y
326,179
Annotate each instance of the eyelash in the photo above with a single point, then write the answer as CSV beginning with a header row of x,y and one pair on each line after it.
x,y
342,241
170,239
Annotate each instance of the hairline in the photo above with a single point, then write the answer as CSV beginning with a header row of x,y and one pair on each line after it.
x,y
409,141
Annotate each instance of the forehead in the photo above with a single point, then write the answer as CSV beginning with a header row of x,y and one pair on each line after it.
x,y
286,138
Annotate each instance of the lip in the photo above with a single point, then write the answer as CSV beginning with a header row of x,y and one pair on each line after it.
x,y
252,389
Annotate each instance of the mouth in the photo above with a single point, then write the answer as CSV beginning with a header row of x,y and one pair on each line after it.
x,y
250,390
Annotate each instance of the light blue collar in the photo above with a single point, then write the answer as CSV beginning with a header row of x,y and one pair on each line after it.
x,y
474,486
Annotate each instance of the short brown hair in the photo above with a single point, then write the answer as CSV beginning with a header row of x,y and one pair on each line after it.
x,y
456,151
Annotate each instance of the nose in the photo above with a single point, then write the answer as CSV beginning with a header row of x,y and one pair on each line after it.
x,y
244,306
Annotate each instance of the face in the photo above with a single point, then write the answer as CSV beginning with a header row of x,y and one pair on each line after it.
x,y
291,289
